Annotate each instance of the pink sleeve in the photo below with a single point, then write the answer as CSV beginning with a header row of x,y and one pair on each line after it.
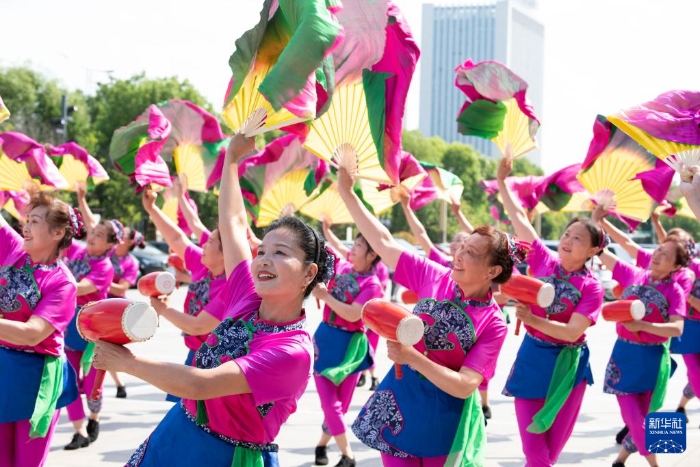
x,y
483,355
591,302
625,273
541,259
217,307
75,249
676,302
238,295
685,278
277,371
205,237
439,257
57,304
369,290
130,270
643,258
11,243
101,275
414,272
193,258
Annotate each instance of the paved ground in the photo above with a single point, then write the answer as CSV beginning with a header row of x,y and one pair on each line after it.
x,y
127,422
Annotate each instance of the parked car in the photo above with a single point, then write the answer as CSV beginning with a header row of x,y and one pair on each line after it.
x,y
151,259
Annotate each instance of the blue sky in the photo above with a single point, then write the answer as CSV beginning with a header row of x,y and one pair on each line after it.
x,y
600,56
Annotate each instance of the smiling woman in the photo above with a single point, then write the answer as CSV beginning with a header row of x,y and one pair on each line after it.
x,y
250,372
37,301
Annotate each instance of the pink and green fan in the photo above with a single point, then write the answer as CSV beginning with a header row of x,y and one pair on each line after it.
x,y
280,69
330,206
77,166
14,202
195,142
445,185
621,175
24,165
667,127
4,112
497,107
361,130
283,178
135,150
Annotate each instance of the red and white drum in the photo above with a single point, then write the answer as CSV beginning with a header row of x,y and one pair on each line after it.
x,y
116,320
177,262
393,322
155,284
528,290
623,311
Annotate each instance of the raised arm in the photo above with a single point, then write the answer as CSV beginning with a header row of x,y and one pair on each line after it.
x,y
516,213
372,230
89,218
233,222
334,241
464,223
193,221
416,227
621,238
658,228
691,191
173,235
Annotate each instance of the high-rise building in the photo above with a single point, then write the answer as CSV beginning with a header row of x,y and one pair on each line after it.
x,y
503,30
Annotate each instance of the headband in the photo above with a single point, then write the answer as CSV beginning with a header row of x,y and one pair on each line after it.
x,y
692,249
118,230
76,221
517,250
138,238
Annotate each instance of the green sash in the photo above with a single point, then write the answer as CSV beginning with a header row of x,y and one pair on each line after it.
x,y
560,387
354,356
87,357
49,391
659,394
244,457
469,445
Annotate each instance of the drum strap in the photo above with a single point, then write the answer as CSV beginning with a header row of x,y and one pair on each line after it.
x,y
50,389
560,387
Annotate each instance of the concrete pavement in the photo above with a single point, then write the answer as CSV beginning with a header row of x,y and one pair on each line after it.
x,y
125,423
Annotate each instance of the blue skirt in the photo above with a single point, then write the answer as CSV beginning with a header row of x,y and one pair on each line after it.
x,y
689,341
72,337
330,345
533,367
410,417
20,374
178,441
633,368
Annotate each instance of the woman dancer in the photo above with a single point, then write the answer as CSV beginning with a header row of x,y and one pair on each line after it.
x,y
125,266
464,333
92,269
341,345
254,367
640,363
202,313
551,371
38,301
382,273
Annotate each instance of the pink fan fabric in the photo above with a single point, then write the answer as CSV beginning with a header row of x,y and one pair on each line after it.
x,y
94,167
149,166
21,148
401,54
20,198
672,116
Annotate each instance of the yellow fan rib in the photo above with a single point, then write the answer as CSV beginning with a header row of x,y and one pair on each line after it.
x,y
614,172
73,171
516,131
380,200
12,174
289,190
170,209
328,204
249,99
12,209
188,160
346,121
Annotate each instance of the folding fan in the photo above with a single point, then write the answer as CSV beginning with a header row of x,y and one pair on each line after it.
x,y
283,176
329,205
135,150
194,133
496,107
410,175
275,66
171,208
24,165
447,185
4,112
675,205
14,202
347,135
668,127
611,169
77,166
